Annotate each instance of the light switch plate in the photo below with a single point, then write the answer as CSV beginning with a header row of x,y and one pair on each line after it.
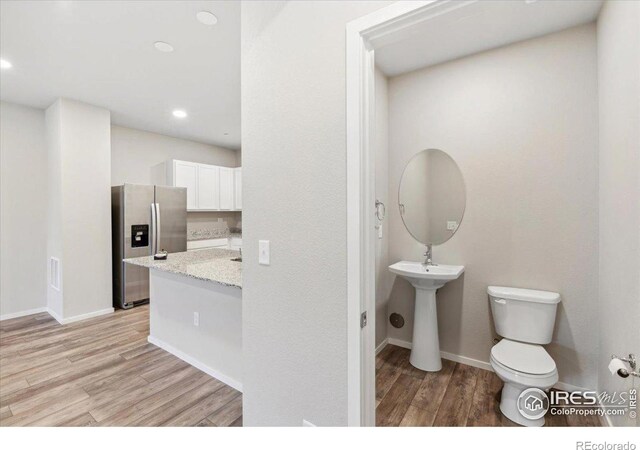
x,y
263,253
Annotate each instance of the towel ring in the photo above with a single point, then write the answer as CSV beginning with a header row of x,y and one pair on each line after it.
x,y
379,215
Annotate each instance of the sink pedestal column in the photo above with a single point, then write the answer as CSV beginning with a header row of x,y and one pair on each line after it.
x,y
425,350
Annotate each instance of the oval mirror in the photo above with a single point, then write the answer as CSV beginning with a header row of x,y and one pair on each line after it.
x,y
432,197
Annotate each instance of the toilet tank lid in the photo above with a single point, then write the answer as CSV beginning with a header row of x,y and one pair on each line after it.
x,y
527,295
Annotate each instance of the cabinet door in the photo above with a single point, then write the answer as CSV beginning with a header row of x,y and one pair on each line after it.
x,y
238,188
226,188
185,174
208,187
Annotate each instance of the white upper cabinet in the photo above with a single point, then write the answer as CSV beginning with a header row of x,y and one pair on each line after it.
x,y
226,188
237,178
185,174
208,187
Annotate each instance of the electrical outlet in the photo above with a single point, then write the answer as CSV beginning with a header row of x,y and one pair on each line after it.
x,y
196,319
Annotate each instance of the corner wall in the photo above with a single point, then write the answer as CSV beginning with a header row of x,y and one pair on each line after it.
x,y
619,93
294,194
79,217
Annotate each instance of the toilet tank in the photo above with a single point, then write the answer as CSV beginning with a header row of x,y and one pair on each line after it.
x,y
523,315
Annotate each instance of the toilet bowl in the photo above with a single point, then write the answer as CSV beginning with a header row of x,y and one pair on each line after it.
x,y
525,319
521,366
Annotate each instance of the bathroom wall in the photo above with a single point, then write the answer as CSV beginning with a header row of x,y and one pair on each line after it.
x,y
619,92
294,311
521,121
384,278
23,209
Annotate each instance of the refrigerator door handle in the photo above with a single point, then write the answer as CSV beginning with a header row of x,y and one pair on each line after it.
x,y
158,228
154,231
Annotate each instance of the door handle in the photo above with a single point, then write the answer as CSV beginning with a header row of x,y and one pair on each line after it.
x,y
158,234
381,210
153,230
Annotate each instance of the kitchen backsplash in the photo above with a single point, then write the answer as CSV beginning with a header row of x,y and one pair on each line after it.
x,y
212,225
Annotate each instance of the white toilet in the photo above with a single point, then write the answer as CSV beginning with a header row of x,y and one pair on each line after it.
x,y
525,319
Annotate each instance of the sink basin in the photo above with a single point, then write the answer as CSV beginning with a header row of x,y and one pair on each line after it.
x,y
425,349
421,276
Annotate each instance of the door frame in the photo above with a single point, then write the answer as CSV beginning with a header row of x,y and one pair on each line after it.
x,y
363,35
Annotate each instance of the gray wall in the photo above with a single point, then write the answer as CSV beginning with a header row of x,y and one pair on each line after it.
x,y
384,278
23,209
521,122
619,91
294,194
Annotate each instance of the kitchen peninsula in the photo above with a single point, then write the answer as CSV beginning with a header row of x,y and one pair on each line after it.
x,y
196,309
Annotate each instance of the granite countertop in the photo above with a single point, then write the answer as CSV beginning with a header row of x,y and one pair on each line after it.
x,y
212,264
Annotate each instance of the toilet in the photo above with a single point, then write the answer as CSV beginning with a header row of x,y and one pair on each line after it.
x,y
525,319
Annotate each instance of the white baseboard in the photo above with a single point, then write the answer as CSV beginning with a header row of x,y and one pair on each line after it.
x,y
473,362
237,385
27,312
399,343
67,320
570,387
382,345
60,320
468,361
446,355
53,314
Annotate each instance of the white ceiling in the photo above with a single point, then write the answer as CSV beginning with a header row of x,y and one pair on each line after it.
x,y
102,53
476,26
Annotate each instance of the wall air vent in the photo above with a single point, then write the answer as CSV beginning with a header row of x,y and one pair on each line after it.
x,y
54,273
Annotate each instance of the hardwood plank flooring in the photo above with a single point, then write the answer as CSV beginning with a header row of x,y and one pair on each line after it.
x,y
458,395
103,372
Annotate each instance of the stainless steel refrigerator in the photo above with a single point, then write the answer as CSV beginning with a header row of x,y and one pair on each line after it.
x,y
144,220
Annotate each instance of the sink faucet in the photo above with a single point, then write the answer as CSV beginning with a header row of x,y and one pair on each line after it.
x,y
427,256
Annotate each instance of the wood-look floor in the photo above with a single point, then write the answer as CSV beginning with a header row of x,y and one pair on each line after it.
x,y
102,372
458,395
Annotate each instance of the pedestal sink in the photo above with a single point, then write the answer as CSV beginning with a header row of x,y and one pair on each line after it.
x,y
425,351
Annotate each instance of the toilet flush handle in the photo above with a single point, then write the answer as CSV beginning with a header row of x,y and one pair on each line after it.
x,y
500,300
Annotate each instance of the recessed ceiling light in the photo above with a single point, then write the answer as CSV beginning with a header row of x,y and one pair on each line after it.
x,y
163,47
179,113
207,18
4,64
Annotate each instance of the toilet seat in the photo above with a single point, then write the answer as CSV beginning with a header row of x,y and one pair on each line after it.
x,y
519,357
